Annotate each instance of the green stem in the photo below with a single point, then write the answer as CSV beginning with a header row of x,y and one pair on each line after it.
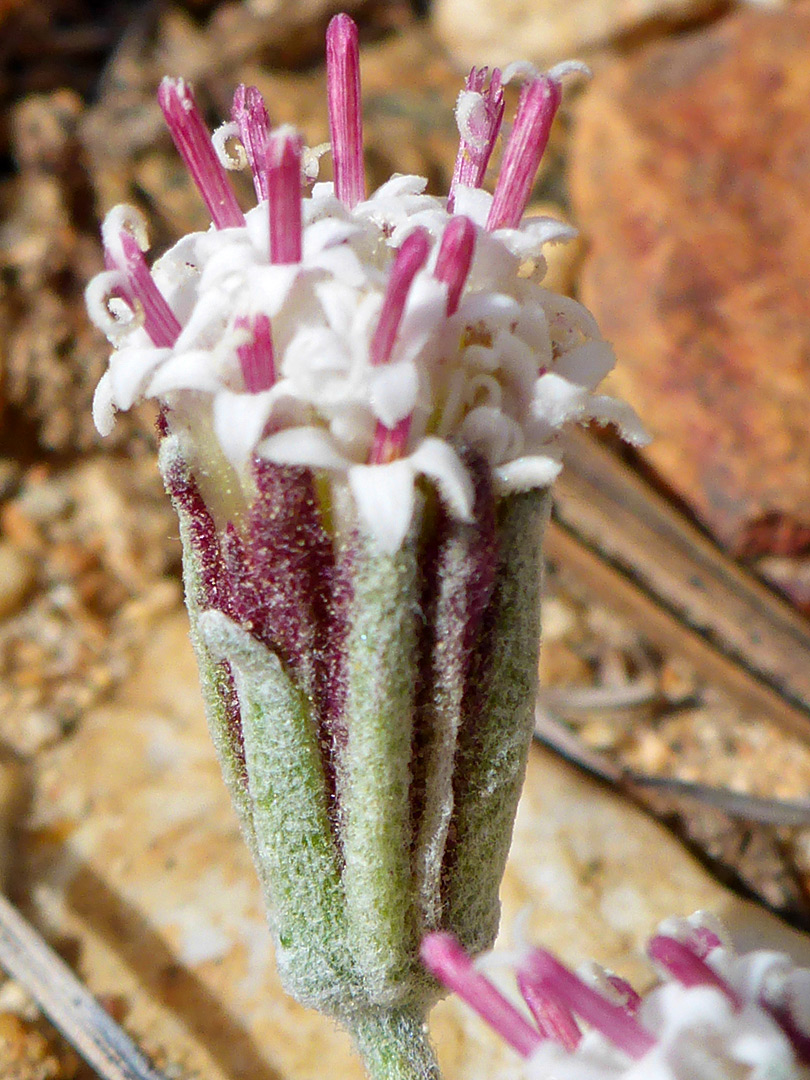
x,y
395,1046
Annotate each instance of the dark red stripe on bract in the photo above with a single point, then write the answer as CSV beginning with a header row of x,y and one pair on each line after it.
x,y
214,588
288,595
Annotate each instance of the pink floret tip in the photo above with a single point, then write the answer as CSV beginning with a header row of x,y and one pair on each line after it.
x,y
283,164
474,154
193,142
249,112
345,116
539,101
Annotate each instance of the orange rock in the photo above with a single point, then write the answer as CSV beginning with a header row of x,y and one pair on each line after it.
x,y
691,179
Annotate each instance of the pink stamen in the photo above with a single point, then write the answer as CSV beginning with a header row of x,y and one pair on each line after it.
x,y
256,356
390,443
703,941
345,115
539,101
685,966
473,157
553,980
455,259
250,113
631,999
554,1021
193,142
408,261
159,320
444,957
283,159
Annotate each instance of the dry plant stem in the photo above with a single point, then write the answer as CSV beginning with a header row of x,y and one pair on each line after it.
x,y
605,504
80,1018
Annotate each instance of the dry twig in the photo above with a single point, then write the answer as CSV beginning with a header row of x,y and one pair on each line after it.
x,y
88,1028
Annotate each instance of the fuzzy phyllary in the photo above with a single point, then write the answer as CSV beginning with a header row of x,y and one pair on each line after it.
x,y
361,400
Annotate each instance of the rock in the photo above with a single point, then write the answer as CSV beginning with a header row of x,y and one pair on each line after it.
x,y
17,577
132,851
690,179
26,1054
480,32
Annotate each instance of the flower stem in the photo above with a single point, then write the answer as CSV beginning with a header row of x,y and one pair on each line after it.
x,y
394,1046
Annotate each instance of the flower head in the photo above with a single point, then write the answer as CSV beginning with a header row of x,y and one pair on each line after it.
x,y
361,401
714,1013
371,337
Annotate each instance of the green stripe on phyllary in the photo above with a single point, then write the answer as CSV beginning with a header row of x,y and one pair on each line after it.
x,y
496,734
374,767
295,846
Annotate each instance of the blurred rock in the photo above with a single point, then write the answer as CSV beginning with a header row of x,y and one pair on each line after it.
x,y
50,356
563,260
17,577
481,32
103,540
690,177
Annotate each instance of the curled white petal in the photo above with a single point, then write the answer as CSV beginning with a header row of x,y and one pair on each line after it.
x,y
399,185
559,401
526,473
609,410
130,371
104,406
327,233
311,161
310,446
569,67
124,218
240,420
519,69
192,370
394,389
228,146
586,364
487,429
384,497
437,460
528,241
473,203
115,320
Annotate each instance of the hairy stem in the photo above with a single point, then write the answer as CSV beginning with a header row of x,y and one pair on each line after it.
x,y
394,1045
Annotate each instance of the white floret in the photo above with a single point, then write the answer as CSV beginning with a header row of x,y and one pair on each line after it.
x,y
504,374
